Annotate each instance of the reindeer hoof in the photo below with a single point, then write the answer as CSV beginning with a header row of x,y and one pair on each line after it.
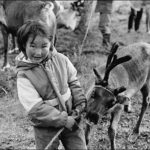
x,y
128,109
133,137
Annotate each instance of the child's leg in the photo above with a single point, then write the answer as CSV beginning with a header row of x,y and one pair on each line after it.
x,y
43,136
138,19
105,28
131,19
74,140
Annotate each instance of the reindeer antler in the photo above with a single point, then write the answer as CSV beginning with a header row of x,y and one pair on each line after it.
x,y
112,52
112,62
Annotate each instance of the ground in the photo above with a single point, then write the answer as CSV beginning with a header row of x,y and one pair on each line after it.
x,y
15,131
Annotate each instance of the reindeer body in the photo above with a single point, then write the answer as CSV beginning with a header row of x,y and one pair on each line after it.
x,y
14,13
134,75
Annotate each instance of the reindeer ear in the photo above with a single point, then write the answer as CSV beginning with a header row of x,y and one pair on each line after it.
x,y
97,74
98,77
119,90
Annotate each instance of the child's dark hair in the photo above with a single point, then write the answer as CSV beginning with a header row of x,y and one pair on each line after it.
x,y
33,28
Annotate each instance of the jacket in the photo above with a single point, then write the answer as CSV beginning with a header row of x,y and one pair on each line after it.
x,y
37,95
104,6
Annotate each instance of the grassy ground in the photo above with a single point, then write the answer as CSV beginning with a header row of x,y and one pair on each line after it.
x,y
15,131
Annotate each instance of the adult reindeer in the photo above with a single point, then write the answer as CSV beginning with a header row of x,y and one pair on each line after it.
x,y
14,13
132,76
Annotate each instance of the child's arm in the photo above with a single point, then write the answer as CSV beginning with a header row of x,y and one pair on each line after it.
x,y
40,113
79,99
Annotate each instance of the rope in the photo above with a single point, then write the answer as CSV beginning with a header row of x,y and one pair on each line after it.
x,y
80,51
53,139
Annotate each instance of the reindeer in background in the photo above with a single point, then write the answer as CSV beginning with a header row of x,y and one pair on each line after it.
x,y
113,93
14,13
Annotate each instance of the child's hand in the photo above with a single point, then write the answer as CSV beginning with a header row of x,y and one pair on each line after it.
x,y
76,115
71,123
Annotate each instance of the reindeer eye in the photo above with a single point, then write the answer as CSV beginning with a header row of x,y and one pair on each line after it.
x,y
110,104
93,94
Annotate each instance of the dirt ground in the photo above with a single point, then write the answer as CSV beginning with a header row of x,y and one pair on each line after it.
x,y
15,131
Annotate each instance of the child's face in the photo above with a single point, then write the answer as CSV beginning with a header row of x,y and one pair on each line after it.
x,y
37,49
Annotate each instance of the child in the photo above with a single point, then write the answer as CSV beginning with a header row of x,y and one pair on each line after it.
x,y
37,95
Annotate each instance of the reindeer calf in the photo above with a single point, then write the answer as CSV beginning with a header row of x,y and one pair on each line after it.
x,y
132,75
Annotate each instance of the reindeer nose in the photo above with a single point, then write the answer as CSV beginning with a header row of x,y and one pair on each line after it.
x,y
93,117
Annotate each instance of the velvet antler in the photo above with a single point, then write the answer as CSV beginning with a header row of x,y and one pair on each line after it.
x,y
112,52
116,61
112,62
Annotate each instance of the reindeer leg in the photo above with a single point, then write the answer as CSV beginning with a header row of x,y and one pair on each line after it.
x,y
5,38
14,48
87,131
144,91
115,117
13,42
13,45
128,107
147,20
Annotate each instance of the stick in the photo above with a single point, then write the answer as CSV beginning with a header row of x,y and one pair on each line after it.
x,y
61,103
53,139
60,99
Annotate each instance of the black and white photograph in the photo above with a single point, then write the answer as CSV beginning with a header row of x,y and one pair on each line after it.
x,y
75,74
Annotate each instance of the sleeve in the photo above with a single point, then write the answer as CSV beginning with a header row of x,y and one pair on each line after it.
x,y
40,113
74,84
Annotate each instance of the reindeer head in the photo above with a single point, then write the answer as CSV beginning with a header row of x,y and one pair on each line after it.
x,y
103,97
